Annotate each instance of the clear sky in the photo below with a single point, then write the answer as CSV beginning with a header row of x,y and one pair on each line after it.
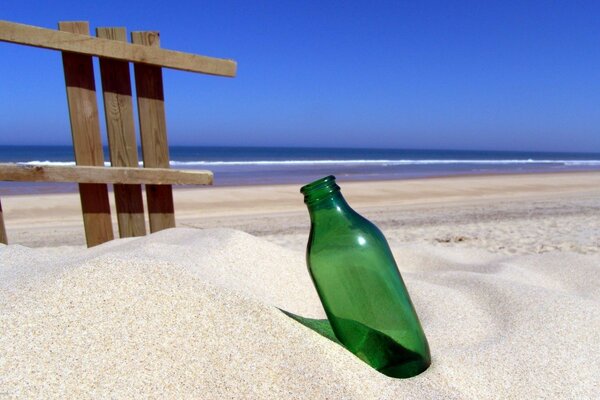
x,y
493,75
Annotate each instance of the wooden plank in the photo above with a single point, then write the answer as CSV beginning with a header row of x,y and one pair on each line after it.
x,y
153,132
3,237
85,130
118,106
79,42
115,175
118,110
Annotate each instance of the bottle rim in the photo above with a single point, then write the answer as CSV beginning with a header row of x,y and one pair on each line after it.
x,y
319,189
318,184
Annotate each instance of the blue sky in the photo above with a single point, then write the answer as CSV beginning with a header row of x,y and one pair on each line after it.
x,y
492,75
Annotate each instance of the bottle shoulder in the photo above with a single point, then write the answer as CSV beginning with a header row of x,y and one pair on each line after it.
x,y
348,222
344,233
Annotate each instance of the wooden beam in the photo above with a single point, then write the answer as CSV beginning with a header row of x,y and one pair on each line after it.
x,y
118,110
85,44
85,130
115,175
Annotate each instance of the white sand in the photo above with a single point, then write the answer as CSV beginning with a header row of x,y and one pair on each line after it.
x,y
190,313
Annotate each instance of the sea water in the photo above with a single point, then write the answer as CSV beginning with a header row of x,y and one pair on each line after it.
x,y
274,165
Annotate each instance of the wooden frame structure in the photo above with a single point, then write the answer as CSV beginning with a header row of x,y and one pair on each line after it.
x,y
115,54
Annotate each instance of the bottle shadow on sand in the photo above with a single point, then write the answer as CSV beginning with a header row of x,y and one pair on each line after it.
x,y
375,348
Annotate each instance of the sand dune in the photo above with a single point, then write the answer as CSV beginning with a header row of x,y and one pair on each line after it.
x,y
188,313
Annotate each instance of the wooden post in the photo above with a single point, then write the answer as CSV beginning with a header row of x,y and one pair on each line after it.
x,y
85,129
3,237
118,110
153,132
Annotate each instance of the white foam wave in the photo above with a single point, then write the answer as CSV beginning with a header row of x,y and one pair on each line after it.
x,y
348,162
389,162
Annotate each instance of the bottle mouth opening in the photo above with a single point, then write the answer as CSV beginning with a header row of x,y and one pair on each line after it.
x,y
319,189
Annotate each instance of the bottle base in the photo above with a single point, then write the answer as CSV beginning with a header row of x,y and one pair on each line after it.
x,y
406,370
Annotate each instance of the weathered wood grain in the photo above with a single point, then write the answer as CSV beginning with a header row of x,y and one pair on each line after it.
x,y
115,175
153,132
118,110
85,130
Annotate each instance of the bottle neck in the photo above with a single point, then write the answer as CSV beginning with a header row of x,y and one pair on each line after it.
x,y
324,199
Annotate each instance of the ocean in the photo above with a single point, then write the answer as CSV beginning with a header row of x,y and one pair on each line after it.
x,y
274,165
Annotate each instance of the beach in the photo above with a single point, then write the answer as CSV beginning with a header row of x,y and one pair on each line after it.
x,y
503,270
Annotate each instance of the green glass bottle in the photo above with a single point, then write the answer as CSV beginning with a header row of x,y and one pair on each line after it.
x,y
363,294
